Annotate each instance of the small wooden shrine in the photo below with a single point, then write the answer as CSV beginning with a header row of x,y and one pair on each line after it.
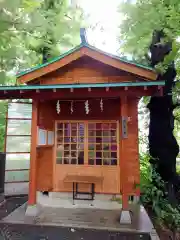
x,y
84,134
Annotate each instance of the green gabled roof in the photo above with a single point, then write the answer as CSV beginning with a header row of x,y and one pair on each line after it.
x,y
77,48
89,85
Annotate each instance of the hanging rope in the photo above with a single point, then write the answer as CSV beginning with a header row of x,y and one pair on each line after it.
x,y
58,107
72,107
87,107
101,105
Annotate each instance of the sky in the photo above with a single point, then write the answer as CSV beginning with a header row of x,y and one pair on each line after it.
x,y
105,13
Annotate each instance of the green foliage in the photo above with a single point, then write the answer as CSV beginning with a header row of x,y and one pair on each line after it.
x,y
27,26
3,110
14,22
154,196
142,17
60,29
178,169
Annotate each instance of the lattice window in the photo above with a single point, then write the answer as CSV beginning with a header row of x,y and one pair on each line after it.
x,y
94,143
70,143
102,144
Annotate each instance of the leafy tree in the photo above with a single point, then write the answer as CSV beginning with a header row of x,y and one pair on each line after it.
x,y
161,19
14,20
28,27
60,32
142,18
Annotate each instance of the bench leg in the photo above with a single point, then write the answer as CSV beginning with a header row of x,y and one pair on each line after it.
x,y
93,190
76,189
73,193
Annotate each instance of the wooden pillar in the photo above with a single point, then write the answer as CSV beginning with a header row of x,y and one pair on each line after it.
x,y
33,155
123,153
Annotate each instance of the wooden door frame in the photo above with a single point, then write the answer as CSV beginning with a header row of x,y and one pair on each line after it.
x,y
118,122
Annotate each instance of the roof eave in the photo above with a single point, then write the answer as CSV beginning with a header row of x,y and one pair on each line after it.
x,y
150,71
69,86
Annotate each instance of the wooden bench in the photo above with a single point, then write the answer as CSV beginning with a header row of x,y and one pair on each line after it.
x,y
76,179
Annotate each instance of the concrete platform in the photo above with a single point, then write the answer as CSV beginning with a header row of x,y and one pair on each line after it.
x,y
99,219
65,200
35,231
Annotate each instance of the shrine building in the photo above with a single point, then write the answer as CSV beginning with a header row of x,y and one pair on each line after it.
x,y
84,133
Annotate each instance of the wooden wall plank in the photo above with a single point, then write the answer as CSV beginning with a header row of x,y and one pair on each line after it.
x,y
128,152
44,169
110,173
86,79
149,74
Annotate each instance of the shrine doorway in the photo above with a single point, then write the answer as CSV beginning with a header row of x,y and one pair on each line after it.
x,y
87,142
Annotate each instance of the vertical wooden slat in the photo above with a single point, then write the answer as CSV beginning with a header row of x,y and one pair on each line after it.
x,y
63,142
78,141
33,155
71,140
137,163
54,155
86,150
118,143
102,140
123,155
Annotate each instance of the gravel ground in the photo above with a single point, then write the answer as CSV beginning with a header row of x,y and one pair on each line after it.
x,y
32,232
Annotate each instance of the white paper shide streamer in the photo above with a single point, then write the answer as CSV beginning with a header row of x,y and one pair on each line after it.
x,y
87,107
101,105
58,107
72,107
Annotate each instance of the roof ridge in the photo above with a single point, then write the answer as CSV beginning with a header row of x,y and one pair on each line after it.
x,y
84,44
120,58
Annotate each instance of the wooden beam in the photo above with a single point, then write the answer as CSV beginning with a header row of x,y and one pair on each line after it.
x,y
123,153
82,93
80,79
33,155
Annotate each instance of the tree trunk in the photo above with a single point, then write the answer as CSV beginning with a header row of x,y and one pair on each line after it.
x,y
163,146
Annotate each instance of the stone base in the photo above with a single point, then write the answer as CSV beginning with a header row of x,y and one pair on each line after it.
x,y
125,217
136,199
31,213
65,200
154,235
